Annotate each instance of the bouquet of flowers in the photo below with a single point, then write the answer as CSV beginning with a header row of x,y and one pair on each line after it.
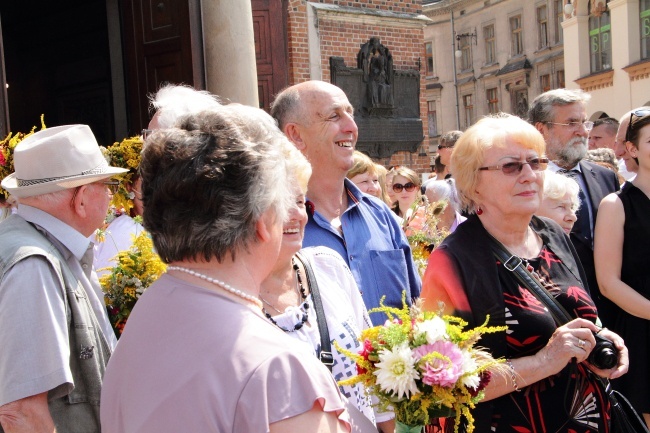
x,y
423,365
136,269
124,154
7,146
423,238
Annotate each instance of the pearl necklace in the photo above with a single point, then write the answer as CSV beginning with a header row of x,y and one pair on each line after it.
x,y
227,287
304,305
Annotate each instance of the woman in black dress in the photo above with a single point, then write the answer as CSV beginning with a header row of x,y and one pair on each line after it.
x,y
622,257
499,168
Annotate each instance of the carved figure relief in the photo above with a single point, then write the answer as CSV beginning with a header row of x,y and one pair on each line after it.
x,y
376,62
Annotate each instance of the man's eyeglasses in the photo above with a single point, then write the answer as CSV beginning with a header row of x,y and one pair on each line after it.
x,y
587,124
515,167
112,185
146,133
398,187
630,127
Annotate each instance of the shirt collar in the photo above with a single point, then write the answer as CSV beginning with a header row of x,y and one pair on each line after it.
x,y
555,168
68,236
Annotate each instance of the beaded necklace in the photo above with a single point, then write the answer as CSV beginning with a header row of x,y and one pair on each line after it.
x,y
304,306
227,287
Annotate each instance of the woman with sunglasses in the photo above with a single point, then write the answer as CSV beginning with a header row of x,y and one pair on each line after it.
x,y
621,250
409,201
498,165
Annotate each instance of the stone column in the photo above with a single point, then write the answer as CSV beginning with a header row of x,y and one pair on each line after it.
x,y
229,47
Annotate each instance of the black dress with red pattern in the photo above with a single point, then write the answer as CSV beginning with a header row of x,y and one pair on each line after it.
x,y
570,400
465,270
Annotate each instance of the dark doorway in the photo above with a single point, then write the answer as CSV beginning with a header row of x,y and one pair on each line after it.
x,y
57,63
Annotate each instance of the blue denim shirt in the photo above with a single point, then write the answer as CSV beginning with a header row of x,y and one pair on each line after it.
x,y
374,247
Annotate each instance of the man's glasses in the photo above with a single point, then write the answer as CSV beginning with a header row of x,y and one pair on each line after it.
x,y
398,187
630,127
146,133
112,185
515,167
587,124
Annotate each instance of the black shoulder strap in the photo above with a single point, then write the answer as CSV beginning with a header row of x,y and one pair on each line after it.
x,y
325,354
514,264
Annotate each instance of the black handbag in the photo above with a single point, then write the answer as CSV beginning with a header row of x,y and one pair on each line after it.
x,y
624,418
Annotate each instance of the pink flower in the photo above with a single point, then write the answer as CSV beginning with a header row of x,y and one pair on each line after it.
x,y
439,371
2,158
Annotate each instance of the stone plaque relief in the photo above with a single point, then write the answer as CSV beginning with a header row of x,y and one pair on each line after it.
x,y
386,101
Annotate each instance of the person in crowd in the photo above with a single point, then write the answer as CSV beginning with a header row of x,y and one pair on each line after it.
x,y
627,166
318,118
382,173
222,176
622,249
122,228
605,157
445,149
440,169
603,133
56,338
288,302
498,165
445,190
7,206
560,200
173,101
364,175
410,203
388,185
560,115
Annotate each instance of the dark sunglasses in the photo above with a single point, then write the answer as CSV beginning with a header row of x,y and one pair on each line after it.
x,y
398,187
515,167
630,127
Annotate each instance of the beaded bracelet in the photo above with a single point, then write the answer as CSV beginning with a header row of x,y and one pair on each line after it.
x,y
513,375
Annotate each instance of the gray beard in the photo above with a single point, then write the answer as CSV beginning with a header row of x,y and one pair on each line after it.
x,y
572,152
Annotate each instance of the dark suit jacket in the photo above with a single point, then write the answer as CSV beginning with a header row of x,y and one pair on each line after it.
x,y
600,182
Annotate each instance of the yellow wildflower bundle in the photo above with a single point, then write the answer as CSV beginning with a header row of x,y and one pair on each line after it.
x,y
135,270
124,154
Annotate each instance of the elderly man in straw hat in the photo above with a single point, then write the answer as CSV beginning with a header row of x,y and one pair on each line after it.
x,y
55,338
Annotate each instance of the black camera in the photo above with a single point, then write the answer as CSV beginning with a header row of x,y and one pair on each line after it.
x,y
604,355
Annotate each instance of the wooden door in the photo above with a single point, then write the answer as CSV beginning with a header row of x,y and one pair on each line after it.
x,y
269,26
157,50
4,105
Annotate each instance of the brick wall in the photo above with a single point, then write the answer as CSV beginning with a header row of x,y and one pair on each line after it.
x,y
344,39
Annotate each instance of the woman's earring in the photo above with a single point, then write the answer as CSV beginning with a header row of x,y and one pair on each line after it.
x,y
479,211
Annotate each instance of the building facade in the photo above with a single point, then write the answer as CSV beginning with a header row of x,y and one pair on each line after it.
x,y
489,56
609,42
497,55
95,61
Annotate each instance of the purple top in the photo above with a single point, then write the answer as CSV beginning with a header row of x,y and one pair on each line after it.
x,y
192,360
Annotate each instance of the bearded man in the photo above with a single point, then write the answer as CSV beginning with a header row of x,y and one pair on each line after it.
x,y
561,116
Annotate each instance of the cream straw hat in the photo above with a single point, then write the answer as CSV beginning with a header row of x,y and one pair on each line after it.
x,y
55,159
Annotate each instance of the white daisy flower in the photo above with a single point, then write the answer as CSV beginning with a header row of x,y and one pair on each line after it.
x,y
469,364
435,329
396,371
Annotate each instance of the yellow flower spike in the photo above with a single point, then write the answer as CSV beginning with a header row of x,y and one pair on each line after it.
x,y
135,270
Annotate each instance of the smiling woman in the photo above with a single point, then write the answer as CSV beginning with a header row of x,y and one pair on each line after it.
x,y
499,167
